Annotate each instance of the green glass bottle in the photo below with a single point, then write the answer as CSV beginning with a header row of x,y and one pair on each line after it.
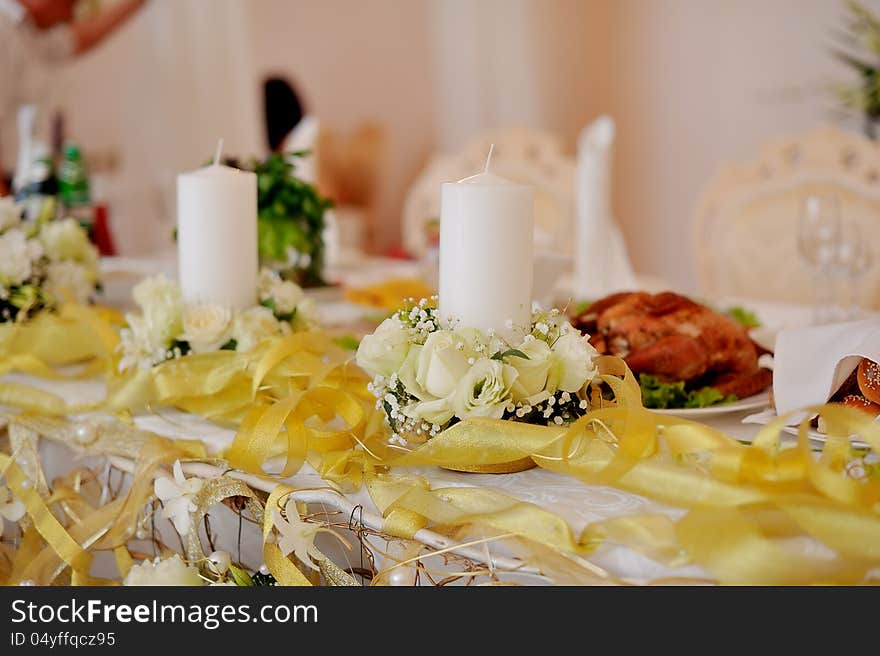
x,y
73,179
73,186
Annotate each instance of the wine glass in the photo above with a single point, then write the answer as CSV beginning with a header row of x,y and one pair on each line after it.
x,y
818,240
854,260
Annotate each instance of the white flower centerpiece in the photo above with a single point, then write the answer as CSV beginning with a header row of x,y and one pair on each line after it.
x,y
427,375
485,352
167,328
42,264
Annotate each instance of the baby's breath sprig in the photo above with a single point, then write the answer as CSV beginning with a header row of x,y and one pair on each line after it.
x,y
561,408
420,316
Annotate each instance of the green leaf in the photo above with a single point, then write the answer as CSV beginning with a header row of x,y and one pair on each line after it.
x,y
348,342
241,577
229,346
744,317
510,353
662,396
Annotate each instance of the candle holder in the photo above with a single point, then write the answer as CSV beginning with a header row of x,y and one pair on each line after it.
x,y
429,374
167,327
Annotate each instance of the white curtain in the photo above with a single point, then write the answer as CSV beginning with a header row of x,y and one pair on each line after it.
x,y
485,68
162,92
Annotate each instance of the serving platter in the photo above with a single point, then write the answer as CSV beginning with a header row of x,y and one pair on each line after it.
x,y
756,402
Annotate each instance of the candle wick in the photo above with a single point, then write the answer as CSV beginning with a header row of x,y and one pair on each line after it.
x,y
489,158
218,151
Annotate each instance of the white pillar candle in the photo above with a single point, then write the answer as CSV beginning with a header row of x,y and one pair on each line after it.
x,y
217,236
486,243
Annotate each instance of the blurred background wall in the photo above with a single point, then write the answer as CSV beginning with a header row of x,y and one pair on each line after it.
x,y
691,83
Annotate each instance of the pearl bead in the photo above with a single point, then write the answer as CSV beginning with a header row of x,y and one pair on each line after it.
x,y
219,561
85,433
402,576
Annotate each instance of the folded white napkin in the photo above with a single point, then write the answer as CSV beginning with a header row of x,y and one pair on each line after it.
x,y
602,265
304,137
810,364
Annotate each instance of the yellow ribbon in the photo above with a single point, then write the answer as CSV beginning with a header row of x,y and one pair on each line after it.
x,y
73,335
300,399
746,503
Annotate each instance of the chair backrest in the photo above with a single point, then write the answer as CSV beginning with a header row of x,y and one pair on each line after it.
x,y
747,221
520,155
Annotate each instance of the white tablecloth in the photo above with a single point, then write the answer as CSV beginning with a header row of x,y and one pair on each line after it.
x,y
578,503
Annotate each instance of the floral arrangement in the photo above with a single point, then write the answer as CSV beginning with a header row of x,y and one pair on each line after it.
x,y
167,328
428,376
42,263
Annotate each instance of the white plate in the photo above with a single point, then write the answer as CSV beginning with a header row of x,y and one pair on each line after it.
x,y
755,402
816,436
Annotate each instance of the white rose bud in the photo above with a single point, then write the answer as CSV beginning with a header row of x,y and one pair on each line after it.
x,y
484,391
532,378
253,326
15,258
66,240
69,279
437,411
441,365
571,363
161,305
383,352
206,327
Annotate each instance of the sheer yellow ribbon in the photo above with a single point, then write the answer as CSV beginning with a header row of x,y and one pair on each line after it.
x,y
746,503
49,547
75,334
299,399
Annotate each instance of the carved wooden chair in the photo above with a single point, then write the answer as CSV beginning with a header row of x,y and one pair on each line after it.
x,y
747,221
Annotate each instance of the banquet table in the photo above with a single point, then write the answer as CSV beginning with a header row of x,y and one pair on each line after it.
x,y
579,504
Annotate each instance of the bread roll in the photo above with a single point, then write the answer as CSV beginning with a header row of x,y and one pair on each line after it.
x,y
869,380
861,403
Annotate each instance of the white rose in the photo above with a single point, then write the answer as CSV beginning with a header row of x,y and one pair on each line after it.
x,y
266,280
383,352
285,295
66,240
571,363
171,571
15,257
206,327
253,326
531,380
437,411
441,364
160,303
70,280
484,391
306,313
10,213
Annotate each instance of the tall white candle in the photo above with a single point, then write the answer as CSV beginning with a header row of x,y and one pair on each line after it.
x,y
486,243
217,236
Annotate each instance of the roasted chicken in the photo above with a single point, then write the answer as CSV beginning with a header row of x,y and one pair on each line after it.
x,y
676,339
